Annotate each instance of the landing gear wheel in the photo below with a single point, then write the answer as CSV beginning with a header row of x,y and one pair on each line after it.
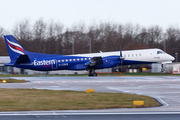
x,y
95,74
92,72
162,69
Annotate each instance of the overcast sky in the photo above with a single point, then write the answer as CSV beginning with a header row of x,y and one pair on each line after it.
x,y
69,12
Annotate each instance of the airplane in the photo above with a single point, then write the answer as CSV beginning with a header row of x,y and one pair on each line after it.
x,y
21,58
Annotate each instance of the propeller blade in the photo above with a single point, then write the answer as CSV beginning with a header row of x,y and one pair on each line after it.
x,y
121,65
121,59
120,52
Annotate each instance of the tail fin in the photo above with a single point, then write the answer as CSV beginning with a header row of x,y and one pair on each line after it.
x,y
14,48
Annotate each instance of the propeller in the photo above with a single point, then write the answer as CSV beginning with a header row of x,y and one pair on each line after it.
x,y
121,58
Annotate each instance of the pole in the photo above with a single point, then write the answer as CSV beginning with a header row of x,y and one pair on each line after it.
x,y
72,45
164,45
176,57
89,45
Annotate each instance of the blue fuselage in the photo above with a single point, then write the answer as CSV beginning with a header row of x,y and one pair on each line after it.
x,y
72,63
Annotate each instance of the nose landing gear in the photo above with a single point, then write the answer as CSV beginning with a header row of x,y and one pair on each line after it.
x,y
162,68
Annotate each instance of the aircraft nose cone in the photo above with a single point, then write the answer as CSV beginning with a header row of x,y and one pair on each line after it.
x,y
172,58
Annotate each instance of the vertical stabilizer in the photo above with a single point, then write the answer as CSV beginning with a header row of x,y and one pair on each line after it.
x,y
13,47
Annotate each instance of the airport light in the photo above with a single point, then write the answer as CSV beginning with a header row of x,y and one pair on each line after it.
x,y
3,81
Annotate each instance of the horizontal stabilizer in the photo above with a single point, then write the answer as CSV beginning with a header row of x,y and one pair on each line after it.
x,y
23,59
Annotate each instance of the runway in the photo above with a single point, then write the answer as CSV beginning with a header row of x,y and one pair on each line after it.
x,y
54,115
165,89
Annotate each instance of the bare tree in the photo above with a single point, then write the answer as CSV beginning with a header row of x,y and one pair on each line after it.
x,y
58,33
155,34
23,33
67,42
105,36
39,34
3,49
173,40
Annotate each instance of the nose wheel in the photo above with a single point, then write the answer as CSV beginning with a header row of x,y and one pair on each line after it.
x,y
162,68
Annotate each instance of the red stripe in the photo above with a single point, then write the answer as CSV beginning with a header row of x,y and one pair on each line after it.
x,y
46,65
15,47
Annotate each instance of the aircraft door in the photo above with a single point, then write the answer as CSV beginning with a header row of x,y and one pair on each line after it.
x,y
54,64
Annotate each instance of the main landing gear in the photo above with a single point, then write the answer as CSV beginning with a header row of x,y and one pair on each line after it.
x,y
92,72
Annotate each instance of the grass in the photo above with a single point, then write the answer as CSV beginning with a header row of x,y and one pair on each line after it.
x,y
33,99
13,81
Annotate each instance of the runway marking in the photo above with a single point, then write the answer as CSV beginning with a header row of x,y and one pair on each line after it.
x,y
162,102
37,116
157,98
63,116
91,113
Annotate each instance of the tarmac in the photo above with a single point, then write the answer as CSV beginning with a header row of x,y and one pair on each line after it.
x,y
165,89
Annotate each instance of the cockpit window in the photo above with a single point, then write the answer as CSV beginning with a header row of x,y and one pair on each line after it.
x,y
160,52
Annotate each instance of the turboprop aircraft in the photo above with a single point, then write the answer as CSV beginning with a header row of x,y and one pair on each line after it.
x,y
46,62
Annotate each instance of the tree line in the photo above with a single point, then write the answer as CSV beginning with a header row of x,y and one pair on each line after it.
x,y
54,38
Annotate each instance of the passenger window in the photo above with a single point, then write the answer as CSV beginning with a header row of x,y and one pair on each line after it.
x,y
59,61
62,60
139,54
70,60
78,59
132,55
85,58
81,58
136,55
128,55
89,58
74,59
66,60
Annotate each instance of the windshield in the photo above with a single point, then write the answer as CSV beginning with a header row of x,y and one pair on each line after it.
x,y
160,52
